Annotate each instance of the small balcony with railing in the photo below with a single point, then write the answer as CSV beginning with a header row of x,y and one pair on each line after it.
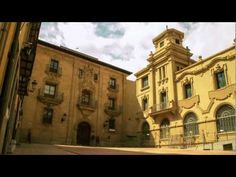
x,y
112,111
162,107
113,88
86,104
53,71
55,99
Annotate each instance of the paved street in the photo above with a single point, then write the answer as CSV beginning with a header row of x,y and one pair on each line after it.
x,y
43,149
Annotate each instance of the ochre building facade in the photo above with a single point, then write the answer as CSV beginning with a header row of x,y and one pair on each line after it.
x,y
186,103
17,51
78,100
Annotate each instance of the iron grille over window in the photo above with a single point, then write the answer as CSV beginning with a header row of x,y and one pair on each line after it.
x,y
111,124
190,125
226,119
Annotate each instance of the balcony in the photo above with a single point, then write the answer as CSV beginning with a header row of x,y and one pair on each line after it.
x,y
82,105
52,71
116,111
49,99
112,88
162,108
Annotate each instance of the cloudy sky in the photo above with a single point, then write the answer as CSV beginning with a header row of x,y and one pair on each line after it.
x,y
127,45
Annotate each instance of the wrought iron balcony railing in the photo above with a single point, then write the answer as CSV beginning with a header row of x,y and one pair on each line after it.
x,y
160,107
51,99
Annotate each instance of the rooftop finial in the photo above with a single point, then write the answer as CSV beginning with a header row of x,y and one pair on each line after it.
x,y
166,26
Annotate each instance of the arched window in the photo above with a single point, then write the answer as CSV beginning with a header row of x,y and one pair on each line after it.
x,y
165,131
146,130
190,125
225,116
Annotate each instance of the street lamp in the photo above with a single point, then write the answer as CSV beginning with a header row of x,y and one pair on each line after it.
x,y
63,117
33,86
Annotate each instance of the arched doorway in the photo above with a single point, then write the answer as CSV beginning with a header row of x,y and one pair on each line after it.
x,y
145,136
83,133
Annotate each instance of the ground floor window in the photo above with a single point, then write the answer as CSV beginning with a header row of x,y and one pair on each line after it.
x,y
190,125
225,119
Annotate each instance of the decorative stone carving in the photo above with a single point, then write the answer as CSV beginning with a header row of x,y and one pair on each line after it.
x,y
203,69
189,103
223,93
87,78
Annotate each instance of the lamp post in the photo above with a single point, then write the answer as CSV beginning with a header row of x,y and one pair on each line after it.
x,y
33,86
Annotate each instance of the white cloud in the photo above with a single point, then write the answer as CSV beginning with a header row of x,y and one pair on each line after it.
x,y
131,47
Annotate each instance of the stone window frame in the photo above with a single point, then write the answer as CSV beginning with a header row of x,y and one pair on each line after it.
x,y
54,59
162,90
142,82
221,120
185,82
51,84
219,68
192,125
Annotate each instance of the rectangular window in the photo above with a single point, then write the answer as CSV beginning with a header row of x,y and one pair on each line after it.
x,y
163,104
95,77
112,83
111,103
177,41
111,124
81,72
145,104
54,66
188,90
177,68
85,97
145,82
220,79
164,72
50,90
162,44
47,116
